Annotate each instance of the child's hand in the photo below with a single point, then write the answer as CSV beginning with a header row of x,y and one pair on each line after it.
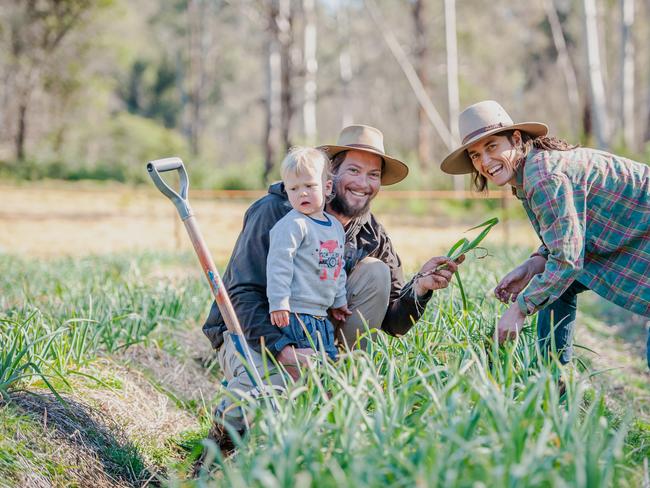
x,y
280,318
341,313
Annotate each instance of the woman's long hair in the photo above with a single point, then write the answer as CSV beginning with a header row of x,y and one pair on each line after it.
x,y
545,143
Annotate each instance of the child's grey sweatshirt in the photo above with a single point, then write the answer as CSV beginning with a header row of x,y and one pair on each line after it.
x,y
305,269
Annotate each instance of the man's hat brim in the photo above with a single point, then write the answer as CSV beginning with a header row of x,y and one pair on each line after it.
x,y
458,162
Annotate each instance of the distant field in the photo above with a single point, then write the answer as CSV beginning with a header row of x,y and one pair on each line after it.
x,y
41,220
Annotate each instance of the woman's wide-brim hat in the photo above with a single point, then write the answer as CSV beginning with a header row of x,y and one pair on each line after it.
x,y
368,139
478,121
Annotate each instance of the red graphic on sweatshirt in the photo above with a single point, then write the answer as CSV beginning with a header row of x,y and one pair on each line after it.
x,y
329,258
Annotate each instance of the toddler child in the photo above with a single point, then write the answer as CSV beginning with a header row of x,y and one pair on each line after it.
x,y
304,267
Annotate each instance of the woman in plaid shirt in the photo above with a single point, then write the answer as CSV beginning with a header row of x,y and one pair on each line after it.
x,y
591,210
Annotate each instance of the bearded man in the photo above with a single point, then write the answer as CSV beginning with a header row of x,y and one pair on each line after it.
x,y
377,294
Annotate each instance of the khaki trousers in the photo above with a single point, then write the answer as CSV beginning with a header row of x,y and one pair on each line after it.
x,y
368,292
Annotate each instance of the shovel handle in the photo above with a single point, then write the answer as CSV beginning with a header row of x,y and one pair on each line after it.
x,y
179,198
219,292
166,164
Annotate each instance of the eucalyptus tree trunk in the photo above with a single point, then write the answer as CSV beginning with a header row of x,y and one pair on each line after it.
x,y
421,54
345,63
273,91
37,31
646,136
285,36
21,133
599,118
627,73
311,70
196,72
565,63
452,82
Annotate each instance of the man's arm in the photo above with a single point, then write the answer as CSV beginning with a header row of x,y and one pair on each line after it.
x,y
560,212
408,301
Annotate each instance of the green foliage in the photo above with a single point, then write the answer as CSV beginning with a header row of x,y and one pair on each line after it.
x,y
639,440
133,141
429,412
53,325
463,246
443,405
136,140
151,91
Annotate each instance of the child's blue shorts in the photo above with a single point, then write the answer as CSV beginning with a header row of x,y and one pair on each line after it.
x,y
314,325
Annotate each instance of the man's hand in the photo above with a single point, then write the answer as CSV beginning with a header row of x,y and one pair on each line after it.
x,y
341,313
280,318
511,322
436,274
293,357
514,282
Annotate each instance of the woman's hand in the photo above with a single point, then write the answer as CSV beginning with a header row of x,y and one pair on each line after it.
x,y
510,324
514,282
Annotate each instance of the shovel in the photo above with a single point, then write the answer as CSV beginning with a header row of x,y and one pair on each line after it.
x,y
216,285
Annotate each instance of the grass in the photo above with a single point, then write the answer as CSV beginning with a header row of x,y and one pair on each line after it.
x,y
57,323
441,406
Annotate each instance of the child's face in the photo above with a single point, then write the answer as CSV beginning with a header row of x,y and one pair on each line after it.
x,y
306,191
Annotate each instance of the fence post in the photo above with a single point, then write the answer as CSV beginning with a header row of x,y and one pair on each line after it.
x,y
504,218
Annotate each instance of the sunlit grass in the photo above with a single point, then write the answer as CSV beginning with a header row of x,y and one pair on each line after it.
x,y
441,406
58,316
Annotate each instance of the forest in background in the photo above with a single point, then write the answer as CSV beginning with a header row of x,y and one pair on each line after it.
x,y
95,88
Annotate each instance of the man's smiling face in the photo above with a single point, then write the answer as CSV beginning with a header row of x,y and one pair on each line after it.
x,y
357,181
495,157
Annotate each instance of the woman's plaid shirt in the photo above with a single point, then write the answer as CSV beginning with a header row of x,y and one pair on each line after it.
x,y
591,210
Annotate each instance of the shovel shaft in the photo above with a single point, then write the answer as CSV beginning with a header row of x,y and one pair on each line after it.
x,y
180,200
211,273
220,295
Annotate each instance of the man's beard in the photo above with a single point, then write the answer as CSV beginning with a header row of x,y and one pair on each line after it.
x,y
340,206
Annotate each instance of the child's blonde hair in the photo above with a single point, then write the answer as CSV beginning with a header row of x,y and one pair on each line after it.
x,y
301,160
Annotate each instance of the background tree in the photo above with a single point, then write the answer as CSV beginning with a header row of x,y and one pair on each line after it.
x,y
598,111
37,32
627,73
564,62
310,71
230,85
421,61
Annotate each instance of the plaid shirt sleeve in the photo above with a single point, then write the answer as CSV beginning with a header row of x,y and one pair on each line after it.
x,y
541,251
559,210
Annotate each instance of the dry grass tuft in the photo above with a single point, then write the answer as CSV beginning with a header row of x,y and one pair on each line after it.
x,y
186,380
91,443
147,416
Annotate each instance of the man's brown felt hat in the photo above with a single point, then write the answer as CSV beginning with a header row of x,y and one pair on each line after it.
x,y
368,139
478,121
